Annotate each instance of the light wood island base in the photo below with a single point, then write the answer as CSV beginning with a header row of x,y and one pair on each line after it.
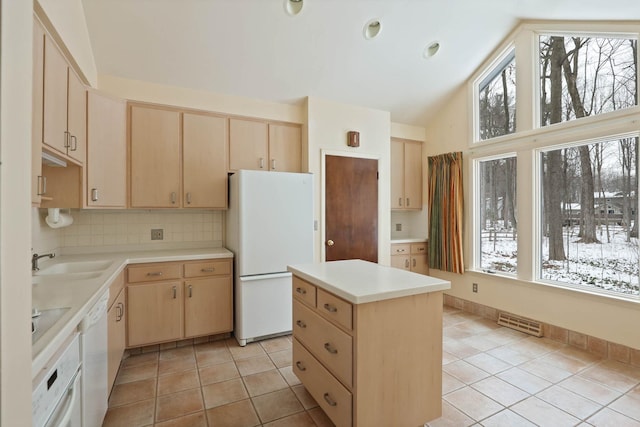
x,y
376,363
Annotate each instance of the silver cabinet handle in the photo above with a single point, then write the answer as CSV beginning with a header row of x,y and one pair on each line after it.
x,y
329,400
300,366
190,291
154,273
330,308
301,324
41,185
188,198
406,263
399,201
408,202
331,349
400,250
207,270
414,262
94,194
67,137
173,197
74,140
301,291
261,163
119,311
175,292
273,164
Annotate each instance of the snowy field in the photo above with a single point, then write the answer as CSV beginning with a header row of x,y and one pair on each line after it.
x,y
611,266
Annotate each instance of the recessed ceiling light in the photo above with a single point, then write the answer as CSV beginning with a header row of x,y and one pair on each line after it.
x,y
372,29
431,49
293,7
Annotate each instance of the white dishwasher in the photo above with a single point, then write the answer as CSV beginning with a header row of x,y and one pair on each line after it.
x,y
93,347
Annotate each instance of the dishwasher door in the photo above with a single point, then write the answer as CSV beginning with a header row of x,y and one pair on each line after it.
x,y
68,411
93,347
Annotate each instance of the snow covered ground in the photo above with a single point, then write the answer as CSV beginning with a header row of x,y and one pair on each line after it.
x,y
611,266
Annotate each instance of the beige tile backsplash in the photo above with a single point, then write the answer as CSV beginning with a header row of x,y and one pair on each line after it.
x,y
130,227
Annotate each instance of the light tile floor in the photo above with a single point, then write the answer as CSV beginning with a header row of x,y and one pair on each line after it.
x,y
492,376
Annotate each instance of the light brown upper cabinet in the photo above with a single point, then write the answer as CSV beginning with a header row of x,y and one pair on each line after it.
x,y
106,168
260,145
204,140
177,159
65,106
37,179
154,158
406,174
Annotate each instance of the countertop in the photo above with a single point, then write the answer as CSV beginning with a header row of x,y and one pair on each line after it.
x,y
361,282
409,240
80,291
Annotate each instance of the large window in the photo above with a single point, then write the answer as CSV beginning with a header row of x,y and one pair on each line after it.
x,y
497,230
497,99
582,75
589,216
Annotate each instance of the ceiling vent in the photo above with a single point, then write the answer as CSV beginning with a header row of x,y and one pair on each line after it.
x,y
521,324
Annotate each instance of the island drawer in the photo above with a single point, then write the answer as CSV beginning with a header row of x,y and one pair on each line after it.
x,y
400,249
304,291
333,347
207,268
154,272
333,398
335,309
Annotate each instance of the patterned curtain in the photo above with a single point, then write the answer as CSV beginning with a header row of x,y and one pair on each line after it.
x,y
445,212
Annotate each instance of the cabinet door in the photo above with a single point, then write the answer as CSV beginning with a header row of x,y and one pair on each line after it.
x,y
285,145
204,142
248,144
77,118
55,98
106,151
401,261
155,158
116,336
420,264
413,175
397,174
207,306
154,313
36,115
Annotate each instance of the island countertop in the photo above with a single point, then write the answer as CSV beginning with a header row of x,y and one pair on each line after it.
x,y
361,282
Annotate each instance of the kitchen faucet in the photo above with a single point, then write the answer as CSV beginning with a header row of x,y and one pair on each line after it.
x,y
36,257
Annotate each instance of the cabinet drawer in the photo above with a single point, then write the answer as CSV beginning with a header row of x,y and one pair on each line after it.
x,y
400,248
304,291
418,248
207,268
333,398
335,309
329,344
154,272
115,288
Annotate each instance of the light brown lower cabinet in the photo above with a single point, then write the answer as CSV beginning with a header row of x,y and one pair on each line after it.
x,y
410,257
175,300
116,328
370,364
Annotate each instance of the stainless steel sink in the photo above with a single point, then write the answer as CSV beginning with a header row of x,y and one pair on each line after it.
x,y
42,321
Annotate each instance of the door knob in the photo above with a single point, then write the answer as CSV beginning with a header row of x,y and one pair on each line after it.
x,y
330,242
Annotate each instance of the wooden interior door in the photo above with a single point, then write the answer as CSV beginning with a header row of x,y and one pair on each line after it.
x,y
351,194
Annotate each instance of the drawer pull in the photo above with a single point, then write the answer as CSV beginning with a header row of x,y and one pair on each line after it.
x,y
190,291
329,400
330,348
330,308
155,273
174,292
300,366
207,270
301,324
301,291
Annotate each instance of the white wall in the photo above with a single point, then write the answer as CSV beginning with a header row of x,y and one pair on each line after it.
x,y
328,124
15,154
67,16
605,318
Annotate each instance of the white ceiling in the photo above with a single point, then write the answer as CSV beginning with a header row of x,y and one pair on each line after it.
x,y
252,48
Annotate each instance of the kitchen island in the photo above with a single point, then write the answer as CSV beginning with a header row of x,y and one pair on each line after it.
x,y
368,342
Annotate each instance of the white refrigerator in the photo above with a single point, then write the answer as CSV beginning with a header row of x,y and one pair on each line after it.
x,y
269,225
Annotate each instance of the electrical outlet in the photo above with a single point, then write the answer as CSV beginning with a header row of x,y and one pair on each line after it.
x,y
398,227
157,234
475,287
